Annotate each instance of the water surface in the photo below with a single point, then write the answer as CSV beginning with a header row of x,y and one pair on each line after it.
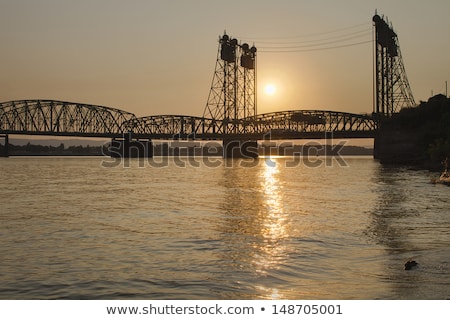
x,y
73,229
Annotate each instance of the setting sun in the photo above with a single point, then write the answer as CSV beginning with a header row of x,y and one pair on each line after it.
x,y
270,89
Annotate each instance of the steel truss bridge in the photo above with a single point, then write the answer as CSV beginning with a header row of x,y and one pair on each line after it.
x,y
61,118
230,112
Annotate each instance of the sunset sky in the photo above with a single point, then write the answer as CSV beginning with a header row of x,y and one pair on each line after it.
x,y
158,57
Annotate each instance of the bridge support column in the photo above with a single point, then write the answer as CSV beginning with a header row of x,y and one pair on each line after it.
x,y
376,147
235,148
4,152
127,147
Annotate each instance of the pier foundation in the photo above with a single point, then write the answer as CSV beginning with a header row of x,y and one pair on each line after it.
x,y
376,147
4,151
233,148
127,147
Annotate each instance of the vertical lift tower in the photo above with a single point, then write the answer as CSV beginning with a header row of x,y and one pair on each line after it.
x,y
232,98
391,87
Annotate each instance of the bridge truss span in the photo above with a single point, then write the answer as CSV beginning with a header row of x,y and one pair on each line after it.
x,y
191,126
317,121
53,117
174,126
295,124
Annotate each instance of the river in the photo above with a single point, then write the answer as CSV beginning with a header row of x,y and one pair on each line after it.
x,y
270,228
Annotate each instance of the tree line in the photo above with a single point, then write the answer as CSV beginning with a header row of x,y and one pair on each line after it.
x,y
37,149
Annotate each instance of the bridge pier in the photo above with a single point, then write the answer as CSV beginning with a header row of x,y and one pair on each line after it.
x,y
376,147
4,152
236,148
126,147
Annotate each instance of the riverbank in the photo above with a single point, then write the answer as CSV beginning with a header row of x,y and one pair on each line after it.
x,y
417,136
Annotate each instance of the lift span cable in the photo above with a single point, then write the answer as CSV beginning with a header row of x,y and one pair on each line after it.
x,y
305,35
304,45
277,50
360,33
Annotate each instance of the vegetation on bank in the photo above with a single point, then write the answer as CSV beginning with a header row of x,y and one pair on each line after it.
x,y
164,150
37,150
427,127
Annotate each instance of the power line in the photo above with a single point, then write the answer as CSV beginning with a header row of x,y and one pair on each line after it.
x,y
277,50
358,33
305,35
334,39
300,45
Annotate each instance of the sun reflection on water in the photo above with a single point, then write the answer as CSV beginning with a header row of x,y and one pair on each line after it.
x,y
269,293
270,252
273,215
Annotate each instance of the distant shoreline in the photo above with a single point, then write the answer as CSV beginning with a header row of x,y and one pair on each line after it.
x,y
292,151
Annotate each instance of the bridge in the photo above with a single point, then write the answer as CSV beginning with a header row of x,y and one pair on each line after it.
x,y
60,118
230,113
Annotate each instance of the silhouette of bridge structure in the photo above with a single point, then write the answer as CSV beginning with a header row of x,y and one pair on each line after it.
x,y
230,113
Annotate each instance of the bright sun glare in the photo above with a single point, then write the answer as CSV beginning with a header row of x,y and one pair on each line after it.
x,y
270,89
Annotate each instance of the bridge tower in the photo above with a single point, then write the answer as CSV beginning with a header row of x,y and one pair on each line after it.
x,y
232,98
233,90
391,87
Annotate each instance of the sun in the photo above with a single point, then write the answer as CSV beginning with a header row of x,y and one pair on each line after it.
x,y
270,89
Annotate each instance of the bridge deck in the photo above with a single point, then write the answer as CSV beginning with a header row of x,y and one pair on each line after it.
x,y
61,118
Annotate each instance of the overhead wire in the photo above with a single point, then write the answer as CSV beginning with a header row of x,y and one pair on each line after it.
x,y
275,50
305,43
341,37
307,35
300,45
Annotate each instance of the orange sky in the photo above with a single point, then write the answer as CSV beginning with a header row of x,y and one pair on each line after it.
x,y
158,57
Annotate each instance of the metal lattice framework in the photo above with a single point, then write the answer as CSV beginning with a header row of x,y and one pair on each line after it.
x,y
233,89
392,90
284,124
51,117
168,126
298,122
